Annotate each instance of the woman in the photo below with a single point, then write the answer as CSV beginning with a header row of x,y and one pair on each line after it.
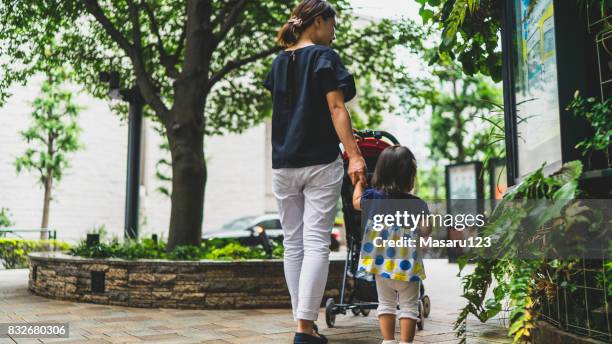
x,y
309,86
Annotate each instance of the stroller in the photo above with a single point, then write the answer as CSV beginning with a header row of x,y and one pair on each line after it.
x,y
363,296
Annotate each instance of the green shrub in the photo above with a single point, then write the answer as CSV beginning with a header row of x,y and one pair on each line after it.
x,y
143,249
221,249
14,252
186,253
235,251
101,250
277,249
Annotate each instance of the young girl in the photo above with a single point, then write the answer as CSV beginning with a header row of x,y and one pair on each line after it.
x,y
397,270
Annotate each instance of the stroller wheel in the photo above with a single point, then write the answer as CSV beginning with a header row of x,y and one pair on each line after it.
x,y
330,315
426,306
355,311
421,320
365,312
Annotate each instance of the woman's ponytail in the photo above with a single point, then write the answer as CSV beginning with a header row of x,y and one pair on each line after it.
x,y
286,35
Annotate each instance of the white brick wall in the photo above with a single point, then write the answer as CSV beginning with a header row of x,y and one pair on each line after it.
x,y
93,190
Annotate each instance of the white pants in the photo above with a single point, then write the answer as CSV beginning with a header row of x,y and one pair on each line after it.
x,y
307,198
389,291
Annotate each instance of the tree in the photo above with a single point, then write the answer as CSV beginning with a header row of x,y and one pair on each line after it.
x,y
459,106
53,134
198,65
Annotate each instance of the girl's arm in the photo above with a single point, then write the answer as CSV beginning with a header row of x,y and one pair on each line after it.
x,y
357,195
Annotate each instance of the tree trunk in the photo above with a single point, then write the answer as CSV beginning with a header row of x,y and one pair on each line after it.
x,y
186,140
48,185
185,129
46,203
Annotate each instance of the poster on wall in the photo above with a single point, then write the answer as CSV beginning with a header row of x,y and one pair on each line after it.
x,y
463,181
536,87
464,188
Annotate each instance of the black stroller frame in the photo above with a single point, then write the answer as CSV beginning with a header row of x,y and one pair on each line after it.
x,y
363,298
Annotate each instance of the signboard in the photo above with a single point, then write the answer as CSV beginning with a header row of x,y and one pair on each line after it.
x,y
538,126
464,182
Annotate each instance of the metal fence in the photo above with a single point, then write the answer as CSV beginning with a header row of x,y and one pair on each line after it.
x,y
580,301
19,233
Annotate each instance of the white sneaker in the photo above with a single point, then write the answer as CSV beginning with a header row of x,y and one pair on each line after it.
x,y
389,342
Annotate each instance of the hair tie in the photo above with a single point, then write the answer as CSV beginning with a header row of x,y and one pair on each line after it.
x,y
297,22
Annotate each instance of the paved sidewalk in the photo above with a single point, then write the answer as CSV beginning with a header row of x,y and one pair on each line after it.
x,y
91,323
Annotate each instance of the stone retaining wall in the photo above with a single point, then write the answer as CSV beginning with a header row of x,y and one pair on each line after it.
x,y
167,284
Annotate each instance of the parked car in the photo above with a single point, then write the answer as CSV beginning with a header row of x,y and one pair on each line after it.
x,y
246,230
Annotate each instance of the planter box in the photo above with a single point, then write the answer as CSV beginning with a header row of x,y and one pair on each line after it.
x,y
204,284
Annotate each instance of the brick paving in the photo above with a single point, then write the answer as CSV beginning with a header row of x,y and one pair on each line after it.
x,y
91,323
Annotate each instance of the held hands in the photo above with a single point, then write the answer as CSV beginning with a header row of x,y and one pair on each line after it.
x,y
357,170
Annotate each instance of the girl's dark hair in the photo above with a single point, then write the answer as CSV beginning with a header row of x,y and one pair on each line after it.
x,y
395,170
303,16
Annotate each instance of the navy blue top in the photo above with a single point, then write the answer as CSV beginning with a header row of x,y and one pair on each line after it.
x,y
302,130
377,204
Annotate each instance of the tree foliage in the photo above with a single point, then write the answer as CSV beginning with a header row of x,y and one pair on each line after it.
x,y
148,39
54,131
5,218
459,104
469,33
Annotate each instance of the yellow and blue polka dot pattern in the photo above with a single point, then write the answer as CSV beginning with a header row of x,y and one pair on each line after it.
x,y
398,263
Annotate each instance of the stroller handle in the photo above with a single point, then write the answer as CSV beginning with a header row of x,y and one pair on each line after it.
x,y
377,134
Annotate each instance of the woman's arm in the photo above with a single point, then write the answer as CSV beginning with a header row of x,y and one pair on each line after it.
x,y
357,195
342,124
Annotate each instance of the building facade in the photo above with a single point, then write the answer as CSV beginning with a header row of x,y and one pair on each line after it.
x,y
92,191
